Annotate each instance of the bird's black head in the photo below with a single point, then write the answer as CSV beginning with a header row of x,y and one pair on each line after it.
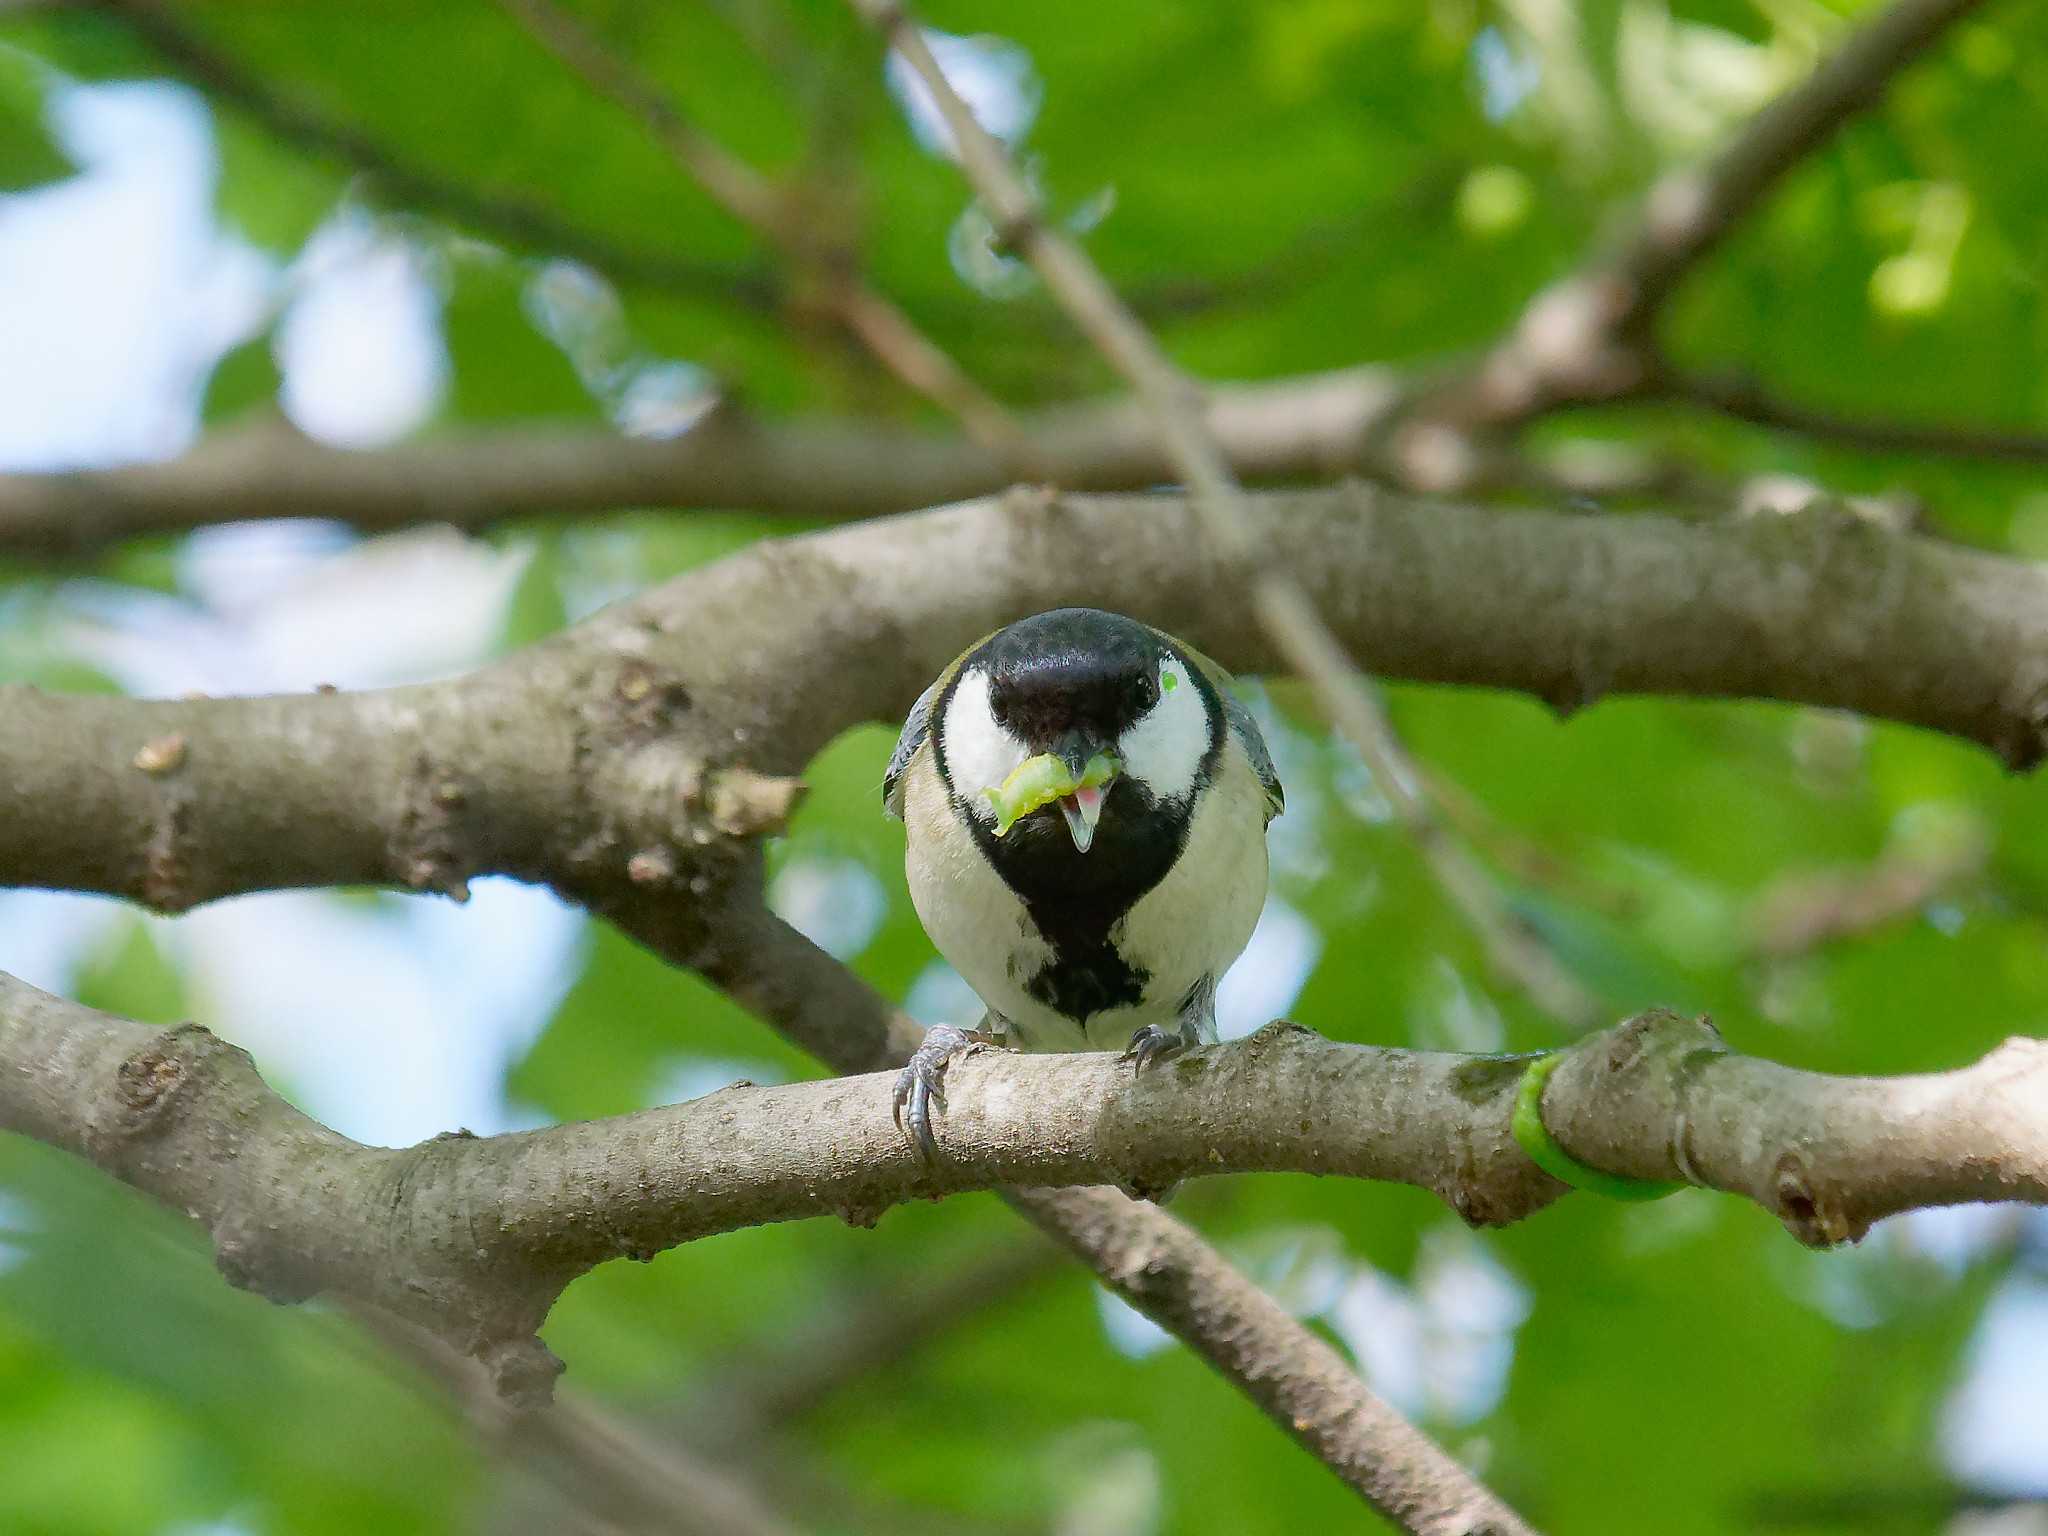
x,y
1069,672
1075,718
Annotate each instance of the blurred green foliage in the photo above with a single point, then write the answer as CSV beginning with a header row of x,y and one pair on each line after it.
x,y
28,155
1282,188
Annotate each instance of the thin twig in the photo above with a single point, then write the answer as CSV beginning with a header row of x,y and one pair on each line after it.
x,y
750,197
1590,337
1514,950
1166,1271
1529,860
1178,414
609,1470
731,183
755,1398
1799,913
1689,213
1743,399
1900,1502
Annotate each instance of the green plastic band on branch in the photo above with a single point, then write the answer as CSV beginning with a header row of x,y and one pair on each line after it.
x,y
1535,1139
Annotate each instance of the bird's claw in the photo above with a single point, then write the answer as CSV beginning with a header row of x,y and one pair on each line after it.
x,y
920,1087
1150,1044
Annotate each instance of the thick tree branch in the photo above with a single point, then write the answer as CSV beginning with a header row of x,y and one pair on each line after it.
x,y
627,753
669,702
706,673
640,834
474,1237
547,770
1308,428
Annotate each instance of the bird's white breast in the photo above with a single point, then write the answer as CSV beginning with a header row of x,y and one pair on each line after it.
x,y
1199,918
978,923
1193,923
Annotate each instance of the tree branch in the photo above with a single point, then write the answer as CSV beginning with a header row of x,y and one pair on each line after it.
x,y
627,754
1294,1376
170,1100
1590,337
651,704
474,1237
1742,399
619,759
1586,338
1690,212
549,770
1800,912
1152,1261
615,1474
803,233
1312,427
757,1396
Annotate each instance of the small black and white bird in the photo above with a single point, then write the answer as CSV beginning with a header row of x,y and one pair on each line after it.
x,y
1085,802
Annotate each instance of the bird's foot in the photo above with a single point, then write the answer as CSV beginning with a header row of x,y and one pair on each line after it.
x,y
920,1087
1150,1044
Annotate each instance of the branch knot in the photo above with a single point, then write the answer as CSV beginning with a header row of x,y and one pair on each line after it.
x,y
147,1083
522,1369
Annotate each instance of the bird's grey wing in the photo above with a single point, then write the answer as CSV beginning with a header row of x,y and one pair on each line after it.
x,y
1245,726
1237,716
915,730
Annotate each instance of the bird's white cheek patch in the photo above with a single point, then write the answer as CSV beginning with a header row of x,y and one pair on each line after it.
x,y
1166,748
980,753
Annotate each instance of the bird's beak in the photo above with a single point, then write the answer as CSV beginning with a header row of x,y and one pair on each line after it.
x,y
1083,808
1078,753
1076,775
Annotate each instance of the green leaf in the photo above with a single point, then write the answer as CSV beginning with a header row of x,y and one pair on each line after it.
x,y
29,156
628,1026
502,366
272,193
132,977
245,379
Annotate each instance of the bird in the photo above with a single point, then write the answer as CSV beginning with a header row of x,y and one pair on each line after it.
x,y
1085,802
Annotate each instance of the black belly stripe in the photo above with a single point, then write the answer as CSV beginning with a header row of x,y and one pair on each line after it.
x,y
1082,982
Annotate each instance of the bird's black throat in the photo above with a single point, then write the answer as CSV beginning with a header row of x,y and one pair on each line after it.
x,y
1075,899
